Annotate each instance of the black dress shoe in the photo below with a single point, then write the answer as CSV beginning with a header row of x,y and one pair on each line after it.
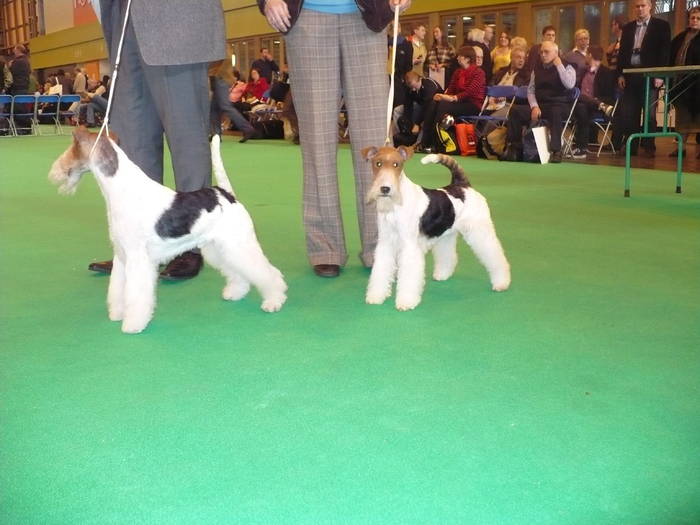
x,y
184,266
555,157
327,270
101,267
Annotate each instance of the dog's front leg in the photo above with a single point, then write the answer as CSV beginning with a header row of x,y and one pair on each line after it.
x,y
139,292
115,292
411,276
383,272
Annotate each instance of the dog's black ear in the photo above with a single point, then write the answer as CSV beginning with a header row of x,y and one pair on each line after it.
x,y
369,152
405,151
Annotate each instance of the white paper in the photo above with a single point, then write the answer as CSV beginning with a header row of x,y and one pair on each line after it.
x,y
542,141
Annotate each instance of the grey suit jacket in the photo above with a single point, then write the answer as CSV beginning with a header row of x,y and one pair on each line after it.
x,y
169,32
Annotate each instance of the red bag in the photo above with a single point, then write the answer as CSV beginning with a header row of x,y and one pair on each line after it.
x,y
466,138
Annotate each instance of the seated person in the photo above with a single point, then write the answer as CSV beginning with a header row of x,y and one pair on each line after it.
x,y
514,74
238,87
463,97
254,92
419,94
548,96
220,81
92,104
597,95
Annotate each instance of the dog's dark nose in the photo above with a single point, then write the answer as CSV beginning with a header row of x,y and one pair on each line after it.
x,y
385,189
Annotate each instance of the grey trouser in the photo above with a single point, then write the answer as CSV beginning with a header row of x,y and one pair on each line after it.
x,y
151,100
332,56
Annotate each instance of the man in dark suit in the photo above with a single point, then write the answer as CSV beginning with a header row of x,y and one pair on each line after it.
x,y
645,42
163,88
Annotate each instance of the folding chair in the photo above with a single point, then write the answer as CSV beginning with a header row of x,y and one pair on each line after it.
x,y
48,99
507,92
567,142
24,108
67,113
5,114
603,123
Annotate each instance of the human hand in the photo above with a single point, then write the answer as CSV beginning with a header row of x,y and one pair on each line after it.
x,y
536,113
658,82
415,128
277,14
437,97
557,61
401,4
621,82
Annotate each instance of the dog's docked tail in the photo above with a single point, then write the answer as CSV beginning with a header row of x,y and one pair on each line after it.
x,y
458,176
220,175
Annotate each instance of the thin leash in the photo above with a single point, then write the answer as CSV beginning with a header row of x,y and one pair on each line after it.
x,y
390,102
115,71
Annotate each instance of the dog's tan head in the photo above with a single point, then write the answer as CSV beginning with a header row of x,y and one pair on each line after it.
x,y
68,169
387,168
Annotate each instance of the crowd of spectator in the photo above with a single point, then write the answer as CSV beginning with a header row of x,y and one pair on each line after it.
x,y
454,82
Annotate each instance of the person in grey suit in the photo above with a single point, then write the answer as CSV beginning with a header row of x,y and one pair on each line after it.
x,y
163,88
336,48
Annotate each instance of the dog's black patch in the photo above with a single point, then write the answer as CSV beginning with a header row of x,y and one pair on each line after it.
x,y
456,190
226,195
440,214
107,160
186,208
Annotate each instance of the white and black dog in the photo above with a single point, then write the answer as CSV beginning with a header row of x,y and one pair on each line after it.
x,y
413,220
150,224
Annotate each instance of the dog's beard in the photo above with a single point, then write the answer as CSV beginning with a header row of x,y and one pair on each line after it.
x,y
66,180
384,203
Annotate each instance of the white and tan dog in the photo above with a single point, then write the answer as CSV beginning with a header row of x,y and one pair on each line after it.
x,y
150,224
413,220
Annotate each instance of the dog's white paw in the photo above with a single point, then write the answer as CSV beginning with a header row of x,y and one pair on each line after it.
x,y
116,315
134,326
375,297
235,291
404,303
500,286
273,304
441,276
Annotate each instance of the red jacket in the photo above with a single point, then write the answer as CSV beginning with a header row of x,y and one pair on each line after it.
x,y
257,89
469,85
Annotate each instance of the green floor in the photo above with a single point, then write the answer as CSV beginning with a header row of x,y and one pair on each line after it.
x,y
572,398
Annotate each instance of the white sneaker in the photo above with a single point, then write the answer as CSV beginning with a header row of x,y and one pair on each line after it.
x,y
579,153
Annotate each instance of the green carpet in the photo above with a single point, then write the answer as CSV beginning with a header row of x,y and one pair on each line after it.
x,y
571,399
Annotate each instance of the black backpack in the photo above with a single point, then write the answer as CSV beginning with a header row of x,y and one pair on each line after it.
x,y
530,153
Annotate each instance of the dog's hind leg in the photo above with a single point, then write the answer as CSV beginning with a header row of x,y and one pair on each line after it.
x,y
248,260
445,257
141,274
411,276
115,292
481,237
236,286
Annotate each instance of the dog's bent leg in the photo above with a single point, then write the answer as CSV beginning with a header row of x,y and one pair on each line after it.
x,y
236,286
445,257
383,272
248,260
115,292
480,235
139,292
411,276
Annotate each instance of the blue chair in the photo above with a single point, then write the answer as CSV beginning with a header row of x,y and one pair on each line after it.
x,y
48,99
507,92
603,123
24,109
67,113
568,142
5,115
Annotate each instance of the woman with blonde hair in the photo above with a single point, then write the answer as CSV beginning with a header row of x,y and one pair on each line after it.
x,y
500,56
